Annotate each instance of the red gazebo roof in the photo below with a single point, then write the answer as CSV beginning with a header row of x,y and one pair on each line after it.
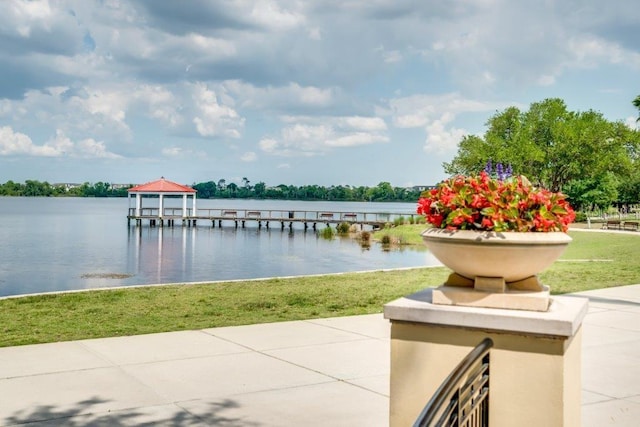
x,y
161,186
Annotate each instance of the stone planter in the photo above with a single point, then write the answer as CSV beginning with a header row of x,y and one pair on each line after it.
x,y
495,262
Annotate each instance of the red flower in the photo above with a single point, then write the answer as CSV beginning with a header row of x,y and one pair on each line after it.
x,y
484,203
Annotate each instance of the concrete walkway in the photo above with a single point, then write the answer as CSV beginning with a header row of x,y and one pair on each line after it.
x,y
325,372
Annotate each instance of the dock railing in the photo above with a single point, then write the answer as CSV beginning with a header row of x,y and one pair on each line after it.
x,y
269,215
462,400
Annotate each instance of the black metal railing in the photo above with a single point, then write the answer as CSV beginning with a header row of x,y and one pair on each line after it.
x,y
462,400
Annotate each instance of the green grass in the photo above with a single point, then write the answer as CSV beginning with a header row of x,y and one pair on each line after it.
x,y
592,260
62,317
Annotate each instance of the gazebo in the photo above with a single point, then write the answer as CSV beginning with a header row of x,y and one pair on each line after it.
x,y
160,189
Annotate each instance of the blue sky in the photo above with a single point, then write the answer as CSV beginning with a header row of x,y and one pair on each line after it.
x,y
331,92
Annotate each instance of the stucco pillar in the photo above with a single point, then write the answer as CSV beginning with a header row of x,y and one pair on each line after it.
x,y
193,211
535,372
161,206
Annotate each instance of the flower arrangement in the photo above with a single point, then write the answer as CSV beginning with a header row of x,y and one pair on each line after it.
x,y
499,202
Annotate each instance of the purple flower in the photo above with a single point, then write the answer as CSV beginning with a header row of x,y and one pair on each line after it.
x,y
500,172
488,168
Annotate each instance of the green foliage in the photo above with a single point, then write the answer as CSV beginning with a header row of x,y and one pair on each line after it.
x,y
552,146
589,194
327,232
343,228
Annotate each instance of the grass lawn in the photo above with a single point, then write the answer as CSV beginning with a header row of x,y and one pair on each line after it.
x,y
592,260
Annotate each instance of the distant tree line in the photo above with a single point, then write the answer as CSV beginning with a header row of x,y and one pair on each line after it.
x,y
384,191
32,188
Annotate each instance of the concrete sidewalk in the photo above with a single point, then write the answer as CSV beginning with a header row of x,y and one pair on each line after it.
x,y
332,372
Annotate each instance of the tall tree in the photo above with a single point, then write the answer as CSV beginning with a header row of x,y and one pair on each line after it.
x,y
636,103
550,145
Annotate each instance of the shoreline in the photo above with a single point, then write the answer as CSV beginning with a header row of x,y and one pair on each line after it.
x,y
214,282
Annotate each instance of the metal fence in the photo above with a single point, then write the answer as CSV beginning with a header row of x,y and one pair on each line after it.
x,y
462,400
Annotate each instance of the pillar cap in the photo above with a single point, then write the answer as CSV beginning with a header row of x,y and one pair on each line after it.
x,y
563,319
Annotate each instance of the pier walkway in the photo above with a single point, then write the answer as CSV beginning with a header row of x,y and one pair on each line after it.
x,y
239,217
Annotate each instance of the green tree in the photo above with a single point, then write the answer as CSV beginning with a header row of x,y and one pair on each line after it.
x,y
636,103
259,190
550,145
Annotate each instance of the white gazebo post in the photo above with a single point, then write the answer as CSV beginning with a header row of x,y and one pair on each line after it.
x,y
138,204
184,206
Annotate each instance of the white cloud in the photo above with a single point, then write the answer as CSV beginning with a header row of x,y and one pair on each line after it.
x,y
172,151
289,97
420,110
311,136
162,104
249,156
366,123
440,139
355,139
213,118
270,15
16,143
90,148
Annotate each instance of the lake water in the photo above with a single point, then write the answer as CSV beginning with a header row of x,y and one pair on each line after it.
x,y
56,244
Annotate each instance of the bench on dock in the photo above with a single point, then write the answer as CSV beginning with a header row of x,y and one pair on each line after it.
x,y
349,216
232,214
630,225
326,215
612,224
254,214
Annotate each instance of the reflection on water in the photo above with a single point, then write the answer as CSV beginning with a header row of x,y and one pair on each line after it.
x,y
64,244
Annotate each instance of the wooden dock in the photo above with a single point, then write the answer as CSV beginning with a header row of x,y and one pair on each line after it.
x,y
240,217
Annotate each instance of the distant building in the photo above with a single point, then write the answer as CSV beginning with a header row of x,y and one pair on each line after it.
x,y
67,185
423,187
120,186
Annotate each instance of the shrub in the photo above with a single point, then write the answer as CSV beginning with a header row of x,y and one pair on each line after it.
x,y
581,217
343,228
398,221
327,232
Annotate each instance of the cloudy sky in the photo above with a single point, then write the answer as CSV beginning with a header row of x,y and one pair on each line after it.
x,y
328,92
